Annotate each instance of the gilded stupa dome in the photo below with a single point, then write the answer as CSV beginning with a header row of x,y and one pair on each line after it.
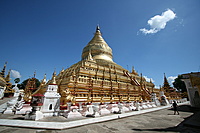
x,y
98,79
98,48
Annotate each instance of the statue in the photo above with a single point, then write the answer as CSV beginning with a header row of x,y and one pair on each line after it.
x,y
66,96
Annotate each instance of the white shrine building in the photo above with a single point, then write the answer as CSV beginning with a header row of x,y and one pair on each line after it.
x,y
51,103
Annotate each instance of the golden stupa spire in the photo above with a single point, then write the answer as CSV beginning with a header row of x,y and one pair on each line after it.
x,y
8,77
44,79
2,74
150,80
53,79
34,74
98,48
133,71
62,70
161,88
98,29
166,83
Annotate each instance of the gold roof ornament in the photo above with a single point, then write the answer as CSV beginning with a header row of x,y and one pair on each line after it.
x,y
89,56
150,80
98,47
8,77
141,79
133,71
2,74
34,74
166,83
62,70
2,81
42,88
44,79
53,80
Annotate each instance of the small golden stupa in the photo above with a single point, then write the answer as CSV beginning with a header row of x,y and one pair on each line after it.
x,y
5,84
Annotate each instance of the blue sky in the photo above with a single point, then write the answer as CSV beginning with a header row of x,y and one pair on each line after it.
x,y
43,35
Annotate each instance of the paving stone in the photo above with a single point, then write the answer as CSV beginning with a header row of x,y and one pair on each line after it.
x,y
157,121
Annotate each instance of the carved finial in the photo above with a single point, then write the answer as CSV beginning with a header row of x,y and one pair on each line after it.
x,y
62,69
160,88
53,80
54,73
141,81
44,79
8,76
133,70
150,80
98,32
34,74
97,28
3,70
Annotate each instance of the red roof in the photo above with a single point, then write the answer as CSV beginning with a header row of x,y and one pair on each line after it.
x,y
32,88
38,95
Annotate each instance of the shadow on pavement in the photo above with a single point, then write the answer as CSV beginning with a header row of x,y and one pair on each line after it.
x,y
190,124
185,108
159,130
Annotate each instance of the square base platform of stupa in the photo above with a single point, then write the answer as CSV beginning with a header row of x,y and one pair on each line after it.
x,y
61,123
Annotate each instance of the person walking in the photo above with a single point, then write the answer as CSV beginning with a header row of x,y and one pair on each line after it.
x,y
175,107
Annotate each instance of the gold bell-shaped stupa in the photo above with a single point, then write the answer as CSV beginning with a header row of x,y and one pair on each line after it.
x,y
97,78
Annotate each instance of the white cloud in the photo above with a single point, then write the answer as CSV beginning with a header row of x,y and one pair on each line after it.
x,y
15,74
145,31
171,79
157,87
148,79
159,22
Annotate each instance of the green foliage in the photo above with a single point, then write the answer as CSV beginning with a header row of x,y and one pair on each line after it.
x,y
17,80
24,83
179,84
18,85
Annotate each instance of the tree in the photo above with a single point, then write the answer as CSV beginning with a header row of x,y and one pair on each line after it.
x,y
24,83
17,80
179,84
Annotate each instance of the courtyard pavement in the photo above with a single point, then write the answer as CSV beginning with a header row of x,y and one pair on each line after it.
x,y
161,120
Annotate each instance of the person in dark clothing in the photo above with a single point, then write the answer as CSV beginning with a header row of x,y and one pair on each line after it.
x,y
175,107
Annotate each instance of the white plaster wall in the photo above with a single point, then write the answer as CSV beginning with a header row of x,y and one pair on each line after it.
x,y
191,91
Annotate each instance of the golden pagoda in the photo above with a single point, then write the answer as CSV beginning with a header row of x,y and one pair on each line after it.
x,y
97,78
2,82
30,88
8,92
2,73
169,91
